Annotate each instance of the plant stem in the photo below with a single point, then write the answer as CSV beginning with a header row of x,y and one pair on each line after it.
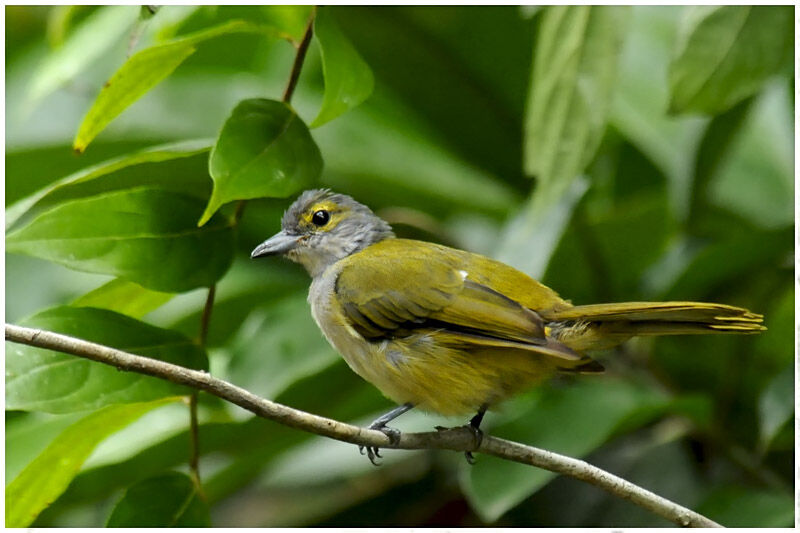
x,y
299,57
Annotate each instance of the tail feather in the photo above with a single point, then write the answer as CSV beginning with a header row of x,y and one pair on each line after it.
x,y
604,325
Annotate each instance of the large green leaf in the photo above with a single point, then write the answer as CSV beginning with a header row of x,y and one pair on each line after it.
x,y
147,236
124,297
348,79
155,154
144,70
86,43
574,69
168,500
44,380
725,53
263,151
50,473
573,420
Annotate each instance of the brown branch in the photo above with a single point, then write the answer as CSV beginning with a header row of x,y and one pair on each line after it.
x,y
299,58
457,439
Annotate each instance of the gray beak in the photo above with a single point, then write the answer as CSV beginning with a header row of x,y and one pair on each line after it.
x,y
280,243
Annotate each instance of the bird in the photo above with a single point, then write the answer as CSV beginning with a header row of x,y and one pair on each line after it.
x,y
449,331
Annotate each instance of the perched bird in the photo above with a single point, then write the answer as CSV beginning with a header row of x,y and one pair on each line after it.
x,y
451,331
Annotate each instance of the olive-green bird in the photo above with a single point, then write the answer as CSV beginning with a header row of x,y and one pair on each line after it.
x,y
450,331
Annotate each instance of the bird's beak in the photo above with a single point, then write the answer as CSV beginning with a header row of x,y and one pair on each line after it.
x,y
280,243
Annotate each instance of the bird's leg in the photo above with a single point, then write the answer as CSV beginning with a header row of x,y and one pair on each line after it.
x,y
475,426
379,424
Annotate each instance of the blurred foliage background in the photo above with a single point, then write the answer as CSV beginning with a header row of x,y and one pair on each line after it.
x,y
620,153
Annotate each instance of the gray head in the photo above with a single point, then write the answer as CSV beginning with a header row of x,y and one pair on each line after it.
x,y
321,227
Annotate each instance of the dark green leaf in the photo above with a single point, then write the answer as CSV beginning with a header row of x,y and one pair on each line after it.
x,y
144,70
348,79
168,500
124,297
50,473
573,420
734,506
146,236
155,154
574,71
263,151
43,380
725,53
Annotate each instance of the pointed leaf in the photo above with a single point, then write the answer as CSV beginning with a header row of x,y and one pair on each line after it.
x,y
43,480
348,79
144,70
168,500
573,76
725,53
44,380
155,154
124,297
263,151
147,236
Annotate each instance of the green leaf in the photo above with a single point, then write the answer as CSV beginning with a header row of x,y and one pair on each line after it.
x,y
168,500
348,79
144,70
50,473
291,19
155,154
294,348
124,297
89,41
44,380
725,53
263,151
147,236
28,434
573,76
776,405
734,506
572,421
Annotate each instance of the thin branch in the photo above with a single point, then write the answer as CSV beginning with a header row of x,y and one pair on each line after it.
x,y
205,319
457,439
299,57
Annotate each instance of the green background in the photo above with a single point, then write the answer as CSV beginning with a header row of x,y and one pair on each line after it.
x,y
618,153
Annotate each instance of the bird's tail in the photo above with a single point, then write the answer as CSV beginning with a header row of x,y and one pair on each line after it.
x,y
604,325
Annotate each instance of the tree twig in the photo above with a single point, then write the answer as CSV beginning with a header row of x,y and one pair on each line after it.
x,y
457,439
297,66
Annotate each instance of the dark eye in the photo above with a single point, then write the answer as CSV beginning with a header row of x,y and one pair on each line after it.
x,y
320,218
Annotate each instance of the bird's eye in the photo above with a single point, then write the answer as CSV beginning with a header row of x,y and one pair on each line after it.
x,y
320,218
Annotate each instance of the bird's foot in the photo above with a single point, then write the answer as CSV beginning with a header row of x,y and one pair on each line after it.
x,y
373,452
477,434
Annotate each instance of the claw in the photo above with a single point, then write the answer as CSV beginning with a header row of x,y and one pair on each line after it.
x,y
470,458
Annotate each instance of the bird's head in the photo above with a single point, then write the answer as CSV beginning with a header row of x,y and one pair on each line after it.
x,y
321,227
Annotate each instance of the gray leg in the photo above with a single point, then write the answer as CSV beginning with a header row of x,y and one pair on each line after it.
x,y
380,425
475,425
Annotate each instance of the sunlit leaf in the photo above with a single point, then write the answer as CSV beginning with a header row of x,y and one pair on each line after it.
x,y
44,380
168,500
263,151
124,297
574,70
725,53
43,480
144,70
147,236
348,79
89,40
